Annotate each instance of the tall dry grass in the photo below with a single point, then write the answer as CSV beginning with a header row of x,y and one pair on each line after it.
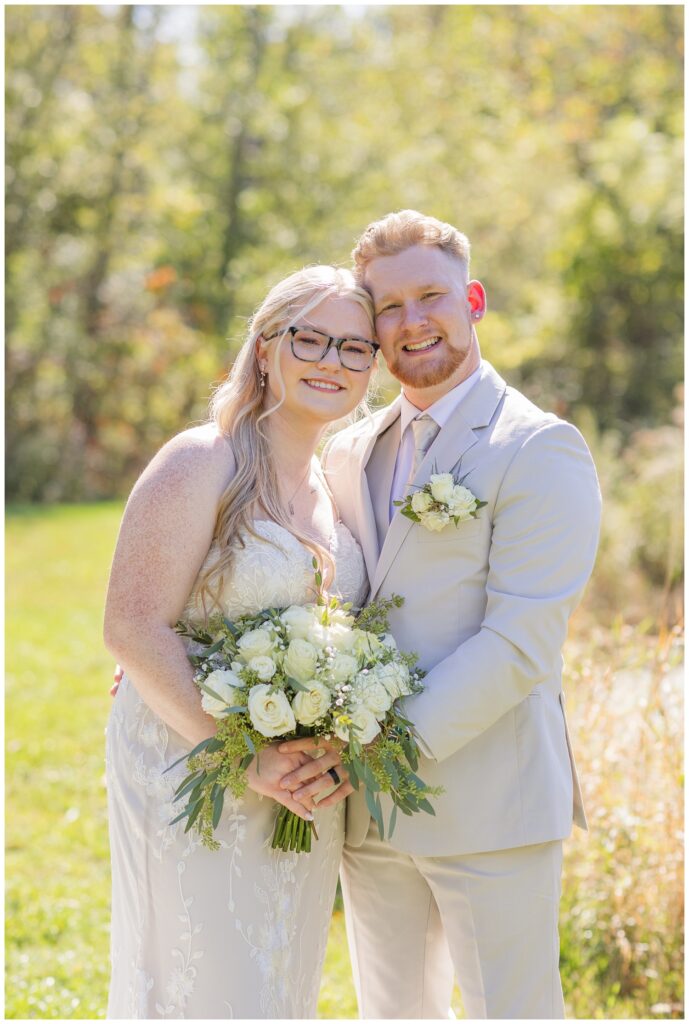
x,y
622,909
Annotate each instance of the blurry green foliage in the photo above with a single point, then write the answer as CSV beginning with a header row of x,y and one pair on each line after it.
x,y
163,173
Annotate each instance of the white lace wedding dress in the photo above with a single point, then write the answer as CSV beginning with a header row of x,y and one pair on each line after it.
x,y
234,933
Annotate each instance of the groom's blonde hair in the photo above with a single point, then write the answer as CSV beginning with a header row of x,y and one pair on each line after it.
x,y
399,231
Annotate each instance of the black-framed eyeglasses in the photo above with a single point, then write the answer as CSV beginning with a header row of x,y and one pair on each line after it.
x,y
311,345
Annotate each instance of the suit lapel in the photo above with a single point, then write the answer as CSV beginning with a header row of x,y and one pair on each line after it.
x,y
457,437
364,508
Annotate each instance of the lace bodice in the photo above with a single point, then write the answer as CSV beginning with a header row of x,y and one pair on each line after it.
x,y
277,574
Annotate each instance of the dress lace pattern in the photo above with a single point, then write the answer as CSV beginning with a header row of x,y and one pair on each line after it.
x,y
239,932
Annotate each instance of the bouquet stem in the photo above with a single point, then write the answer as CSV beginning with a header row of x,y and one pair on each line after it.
x,y
292,832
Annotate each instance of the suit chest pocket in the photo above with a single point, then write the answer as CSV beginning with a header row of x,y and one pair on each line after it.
x,y
465,536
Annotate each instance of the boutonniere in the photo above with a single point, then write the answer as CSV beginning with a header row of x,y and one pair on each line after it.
x,y
443,500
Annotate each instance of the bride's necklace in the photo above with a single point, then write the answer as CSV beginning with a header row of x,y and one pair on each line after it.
x,y
290,501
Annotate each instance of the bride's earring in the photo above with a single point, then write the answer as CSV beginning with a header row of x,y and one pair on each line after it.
x,y
262,378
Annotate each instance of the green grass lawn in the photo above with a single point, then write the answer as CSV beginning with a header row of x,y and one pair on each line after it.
x,y
621,928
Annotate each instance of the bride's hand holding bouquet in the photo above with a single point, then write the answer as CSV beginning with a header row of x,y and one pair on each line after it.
x,y
325,681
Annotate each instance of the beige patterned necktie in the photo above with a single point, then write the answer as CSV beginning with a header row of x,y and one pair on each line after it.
x,y
425,432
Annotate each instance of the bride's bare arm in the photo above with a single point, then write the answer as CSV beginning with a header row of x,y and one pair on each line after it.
x,y
164,537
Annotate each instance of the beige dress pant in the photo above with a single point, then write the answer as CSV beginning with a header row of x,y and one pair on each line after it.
x,y
414,922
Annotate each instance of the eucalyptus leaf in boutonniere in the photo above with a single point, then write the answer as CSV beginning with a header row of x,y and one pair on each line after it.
x,y
443,500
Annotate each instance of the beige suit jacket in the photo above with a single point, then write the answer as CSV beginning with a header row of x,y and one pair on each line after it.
x,y
486,608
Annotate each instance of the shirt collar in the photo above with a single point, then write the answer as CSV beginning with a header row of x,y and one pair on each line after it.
x,y
441,410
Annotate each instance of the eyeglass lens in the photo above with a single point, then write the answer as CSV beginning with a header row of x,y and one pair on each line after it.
x,y
354,354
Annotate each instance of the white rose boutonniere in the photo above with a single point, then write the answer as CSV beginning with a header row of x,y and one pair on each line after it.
x,y
442,501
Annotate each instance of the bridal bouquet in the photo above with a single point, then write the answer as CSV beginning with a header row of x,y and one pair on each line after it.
x,y
312,670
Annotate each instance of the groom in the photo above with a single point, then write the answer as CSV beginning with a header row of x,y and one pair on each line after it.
x,y
473,891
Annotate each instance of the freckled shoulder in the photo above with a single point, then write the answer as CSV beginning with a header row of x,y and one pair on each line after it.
x,y
167,528
200,457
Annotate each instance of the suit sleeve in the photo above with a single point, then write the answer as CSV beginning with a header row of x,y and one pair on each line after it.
x,y
545,535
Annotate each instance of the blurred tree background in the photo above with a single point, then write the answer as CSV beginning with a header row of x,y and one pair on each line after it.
x,y
167,164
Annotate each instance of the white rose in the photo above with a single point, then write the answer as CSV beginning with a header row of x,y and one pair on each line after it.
x,y
435,521
225,684
442,486
270,713
298,621
300,660
342,667
365,725
255,644
264,667
372,694
311,704
339,636
462,503
421,501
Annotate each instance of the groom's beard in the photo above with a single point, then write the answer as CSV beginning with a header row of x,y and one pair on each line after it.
x,y
429,374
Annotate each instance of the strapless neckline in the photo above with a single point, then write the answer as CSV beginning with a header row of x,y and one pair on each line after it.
x,y
273,568
283,529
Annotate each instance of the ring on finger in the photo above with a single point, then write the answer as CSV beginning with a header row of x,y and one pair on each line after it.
x,y
332,772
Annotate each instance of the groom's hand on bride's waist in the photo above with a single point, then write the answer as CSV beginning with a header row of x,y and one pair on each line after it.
x,y
319,774
116,680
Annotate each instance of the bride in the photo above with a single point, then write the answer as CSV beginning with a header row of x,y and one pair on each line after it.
x,y
229,516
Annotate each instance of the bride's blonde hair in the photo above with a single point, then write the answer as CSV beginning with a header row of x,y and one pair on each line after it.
x,y
237,409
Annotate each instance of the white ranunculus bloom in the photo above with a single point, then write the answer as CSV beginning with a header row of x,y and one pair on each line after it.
x,y
366,726
395,677
300,660
372,694
389,677
421,501
462,503
404,679
342,668
270,713
442,486
298,620
254,644
264,667
225,684
311,704
435,521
